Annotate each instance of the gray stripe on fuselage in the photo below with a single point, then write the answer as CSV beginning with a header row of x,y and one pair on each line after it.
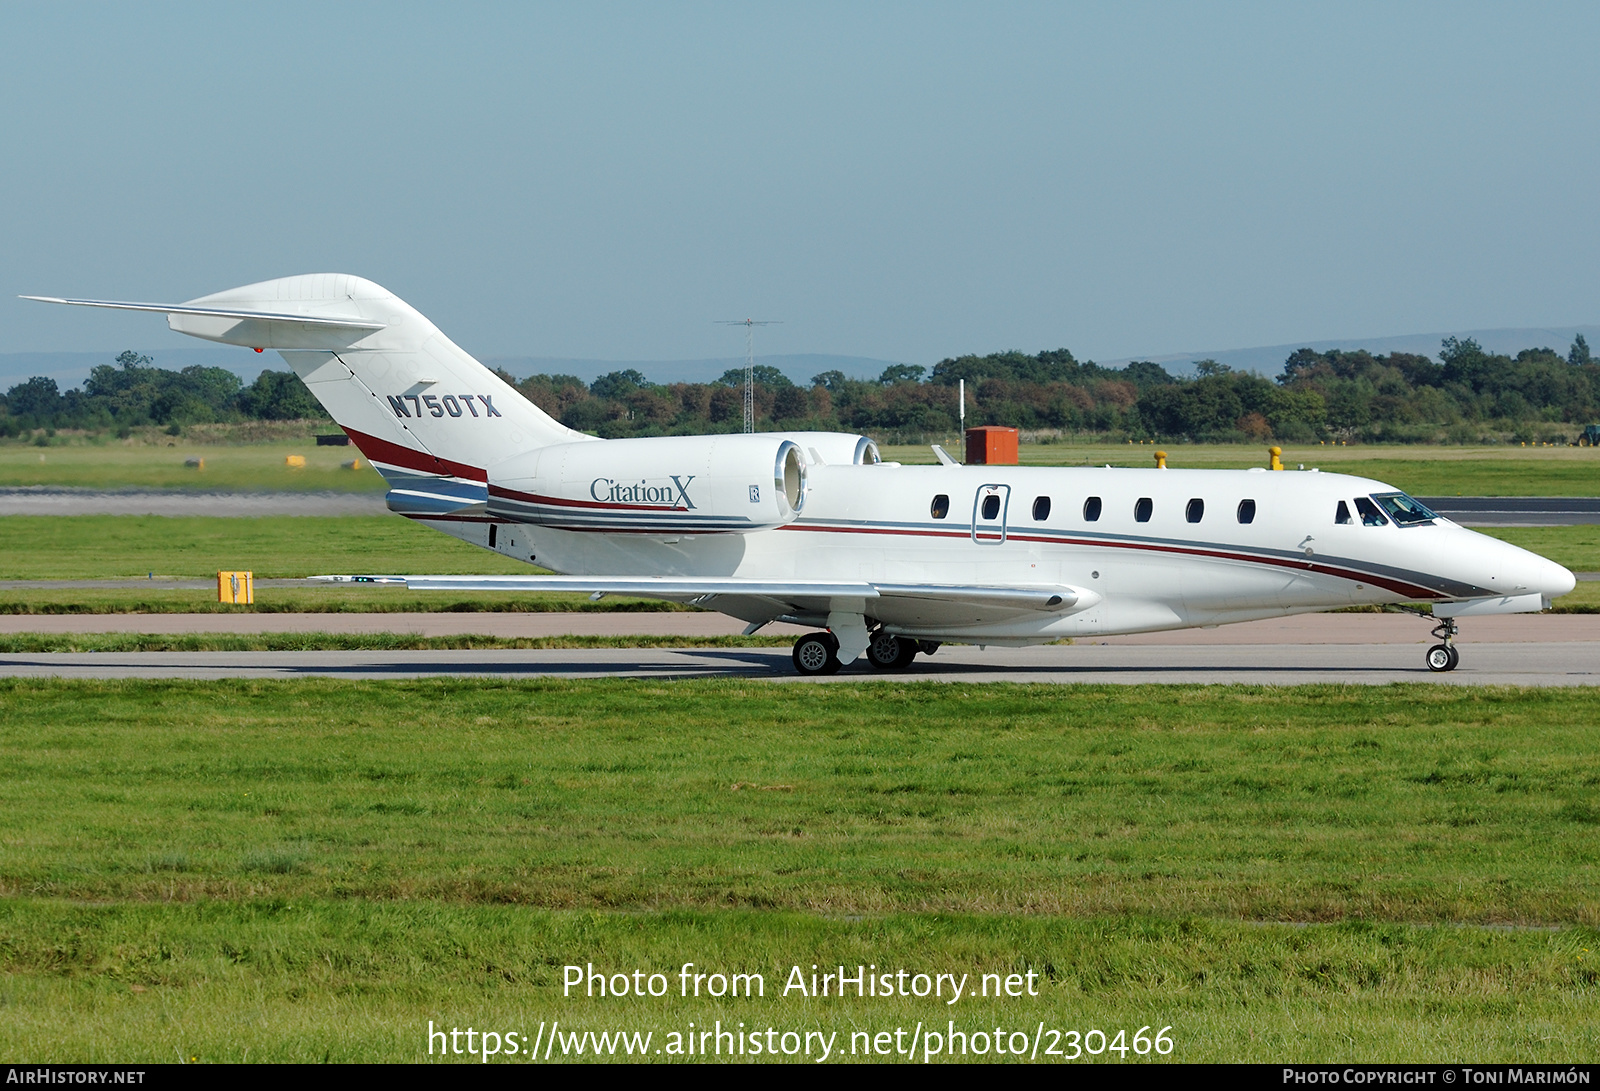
x,y
1446,588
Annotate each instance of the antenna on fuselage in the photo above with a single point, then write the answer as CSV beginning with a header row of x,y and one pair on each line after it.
x,y
749,325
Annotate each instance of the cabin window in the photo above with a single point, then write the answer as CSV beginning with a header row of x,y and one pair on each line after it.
x,y
1142,509
991,506
1370,515
1041,509
940,506
1247,511
1091,510
1196,510
1342,516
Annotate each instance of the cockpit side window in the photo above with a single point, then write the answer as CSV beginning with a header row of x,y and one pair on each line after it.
x,y
1342,516
1405,511
1370,515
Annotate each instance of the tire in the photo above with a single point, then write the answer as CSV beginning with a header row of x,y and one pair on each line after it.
x,y
890,653
1442,657
816,654
1455,656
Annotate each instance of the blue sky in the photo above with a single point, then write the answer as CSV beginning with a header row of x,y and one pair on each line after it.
x,y
903,182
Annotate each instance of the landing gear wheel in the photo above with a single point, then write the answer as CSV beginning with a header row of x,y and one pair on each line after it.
x,y
888,652
1444,657
816,653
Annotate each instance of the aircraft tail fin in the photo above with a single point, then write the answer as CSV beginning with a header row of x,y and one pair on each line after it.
x,y
419,407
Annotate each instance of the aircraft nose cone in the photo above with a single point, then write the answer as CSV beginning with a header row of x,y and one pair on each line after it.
x,y
1553,580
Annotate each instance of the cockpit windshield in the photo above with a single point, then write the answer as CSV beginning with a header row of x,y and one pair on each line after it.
x,y
1405,511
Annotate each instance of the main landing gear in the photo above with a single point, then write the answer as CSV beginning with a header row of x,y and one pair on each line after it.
x,y
890,653
1444,657
818,653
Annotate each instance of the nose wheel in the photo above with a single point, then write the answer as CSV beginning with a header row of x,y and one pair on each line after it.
x,y
1444,657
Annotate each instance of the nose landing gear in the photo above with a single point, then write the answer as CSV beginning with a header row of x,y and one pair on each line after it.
x,y
1444,657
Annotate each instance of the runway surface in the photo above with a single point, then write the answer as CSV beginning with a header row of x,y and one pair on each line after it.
x,y
1516,511
1532,664
1367,649
60,500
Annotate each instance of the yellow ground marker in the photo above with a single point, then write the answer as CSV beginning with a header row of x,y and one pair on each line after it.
x,y
237,588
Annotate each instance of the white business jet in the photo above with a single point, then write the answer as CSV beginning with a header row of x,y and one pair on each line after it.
x,y
813,528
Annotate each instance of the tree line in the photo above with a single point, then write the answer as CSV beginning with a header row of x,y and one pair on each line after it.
x,y
1465,395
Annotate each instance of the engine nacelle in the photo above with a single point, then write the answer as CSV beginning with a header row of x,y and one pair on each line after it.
x,y
729,484
836,448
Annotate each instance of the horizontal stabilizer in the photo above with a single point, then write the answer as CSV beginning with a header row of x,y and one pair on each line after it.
x,y
324,321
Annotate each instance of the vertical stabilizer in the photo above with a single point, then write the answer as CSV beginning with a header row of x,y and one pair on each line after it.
x,y
422,410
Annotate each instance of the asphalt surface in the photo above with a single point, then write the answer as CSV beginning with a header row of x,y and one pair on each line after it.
x,y
1529,664
1365,649
1310,629
55,500
1516,511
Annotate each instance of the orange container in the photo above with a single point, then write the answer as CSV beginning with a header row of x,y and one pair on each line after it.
x,y
991,445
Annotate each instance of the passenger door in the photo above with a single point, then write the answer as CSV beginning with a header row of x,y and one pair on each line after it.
x,y
989,514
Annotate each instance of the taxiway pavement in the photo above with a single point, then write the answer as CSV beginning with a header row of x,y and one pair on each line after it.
x,y
1530,664
1367,649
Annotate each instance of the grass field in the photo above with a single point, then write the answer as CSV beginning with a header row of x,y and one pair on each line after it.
x,y
1419,470
109,546
313,870
255,467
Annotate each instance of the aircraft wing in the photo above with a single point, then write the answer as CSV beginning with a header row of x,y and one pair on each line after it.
x,y
914,603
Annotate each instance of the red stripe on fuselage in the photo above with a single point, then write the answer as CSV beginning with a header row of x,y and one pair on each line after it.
x,y
382,450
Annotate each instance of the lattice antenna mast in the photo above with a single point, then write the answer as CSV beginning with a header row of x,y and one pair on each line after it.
x,y
749,325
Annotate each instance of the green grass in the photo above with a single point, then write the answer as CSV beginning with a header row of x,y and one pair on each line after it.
x,y
1578,548
251,468
314,599
108,546
29,643
315,869
255,467
1420,470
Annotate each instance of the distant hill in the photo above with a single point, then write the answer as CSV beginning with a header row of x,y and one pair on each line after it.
x,y
1268,359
